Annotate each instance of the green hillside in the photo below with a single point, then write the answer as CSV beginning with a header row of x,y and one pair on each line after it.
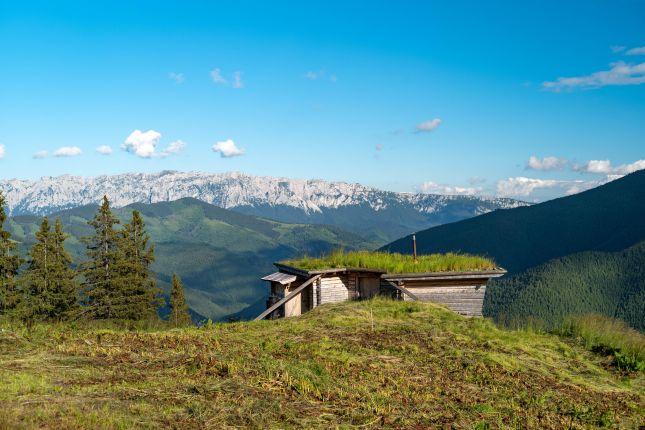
x,y
219,254
369,364
607,218
611,284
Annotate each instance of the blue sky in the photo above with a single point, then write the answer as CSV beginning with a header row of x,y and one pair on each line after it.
x,y
450,97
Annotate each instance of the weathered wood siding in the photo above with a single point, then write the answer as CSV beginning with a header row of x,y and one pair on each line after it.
x,y
463,299
334,289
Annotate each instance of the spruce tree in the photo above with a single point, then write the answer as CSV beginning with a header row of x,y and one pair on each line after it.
x,y
179,315
64,288
36,281
102,284
9,265
139,285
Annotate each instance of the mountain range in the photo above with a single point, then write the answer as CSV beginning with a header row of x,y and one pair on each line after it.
x,y
380,216
606,219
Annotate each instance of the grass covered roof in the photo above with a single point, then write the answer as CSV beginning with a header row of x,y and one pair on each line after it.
x,y
393,263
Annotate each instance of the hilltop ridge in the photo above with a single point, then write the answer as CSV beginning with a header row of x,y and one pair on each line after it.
x,y
369,364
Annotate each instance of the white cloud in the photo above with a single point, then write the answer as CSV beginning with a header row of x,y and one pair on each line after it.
x,y
216,76
522,186
237,80
174,148
314,75
3,151
640,50
576,187
219,79
68,151
434,188
620,73
595,166
104,150
547,163
142,144
378,147
428,126
625,169
40,154
227,148
179,78
604,167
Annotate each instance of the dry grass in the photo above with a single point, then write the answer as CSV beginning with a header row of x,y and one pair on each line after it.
x,y
393,263
368,364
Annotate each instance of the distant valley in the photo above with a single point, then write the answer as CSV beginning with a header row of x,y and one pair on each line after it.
x,y
219,254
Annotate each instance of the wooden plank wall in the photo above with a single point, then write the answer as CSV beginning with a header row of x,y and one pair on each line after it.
x,y
335,289
463,299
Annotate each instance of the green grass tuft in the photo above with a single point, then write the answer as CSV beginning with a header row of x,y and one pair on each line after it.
x,y
392,262
609,337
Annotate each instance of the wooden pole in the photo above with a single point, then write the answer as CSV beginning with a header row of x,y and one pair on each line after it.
x,y
291,295
414,247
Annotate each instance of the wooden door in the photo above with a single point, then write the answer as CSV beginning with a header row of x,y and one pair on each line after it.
x,y
368,287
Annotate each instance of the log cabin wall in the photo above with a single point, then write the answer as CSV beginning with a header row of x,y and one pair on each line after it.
x,y
464,297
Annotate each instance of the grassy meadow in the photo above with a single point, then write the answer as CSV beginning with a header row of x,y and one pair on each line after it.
x,y
369,364
393,262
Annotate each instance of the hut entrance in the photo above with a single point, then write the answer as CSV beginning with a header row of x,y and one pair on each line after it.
x,y
368,287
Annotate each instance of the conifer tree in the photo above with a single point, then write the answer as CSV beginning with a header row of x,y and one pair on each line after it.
x,y
179,315
139,285
36,280
64,288
49,285
9,265
103,284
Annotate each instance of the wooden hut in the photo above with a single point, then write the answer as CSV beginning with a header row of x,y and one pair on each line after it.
x,y
295,291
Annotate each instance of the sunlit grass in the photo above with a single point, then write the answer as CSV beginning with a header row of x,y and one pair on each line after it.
x,y
393,262
610,337
360,364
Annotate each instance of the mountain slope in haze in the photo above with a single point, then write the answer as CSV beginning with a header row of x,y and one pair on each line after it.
x,y
611,284
379,215
219,254
608,218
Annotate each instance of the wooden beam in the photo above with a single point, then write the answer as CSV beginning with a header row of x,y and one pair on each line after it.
x,y
403,290
291,295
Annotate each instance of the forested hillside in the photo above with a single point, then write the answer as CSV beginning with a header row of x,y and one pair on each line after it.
x,y
608,218
606,283
219,254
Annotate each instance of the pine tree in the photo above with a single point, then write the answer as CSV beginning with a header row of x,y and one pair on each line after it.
x,y
9,265
36,280
139,284
64,288
49,286
179,315
103,284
